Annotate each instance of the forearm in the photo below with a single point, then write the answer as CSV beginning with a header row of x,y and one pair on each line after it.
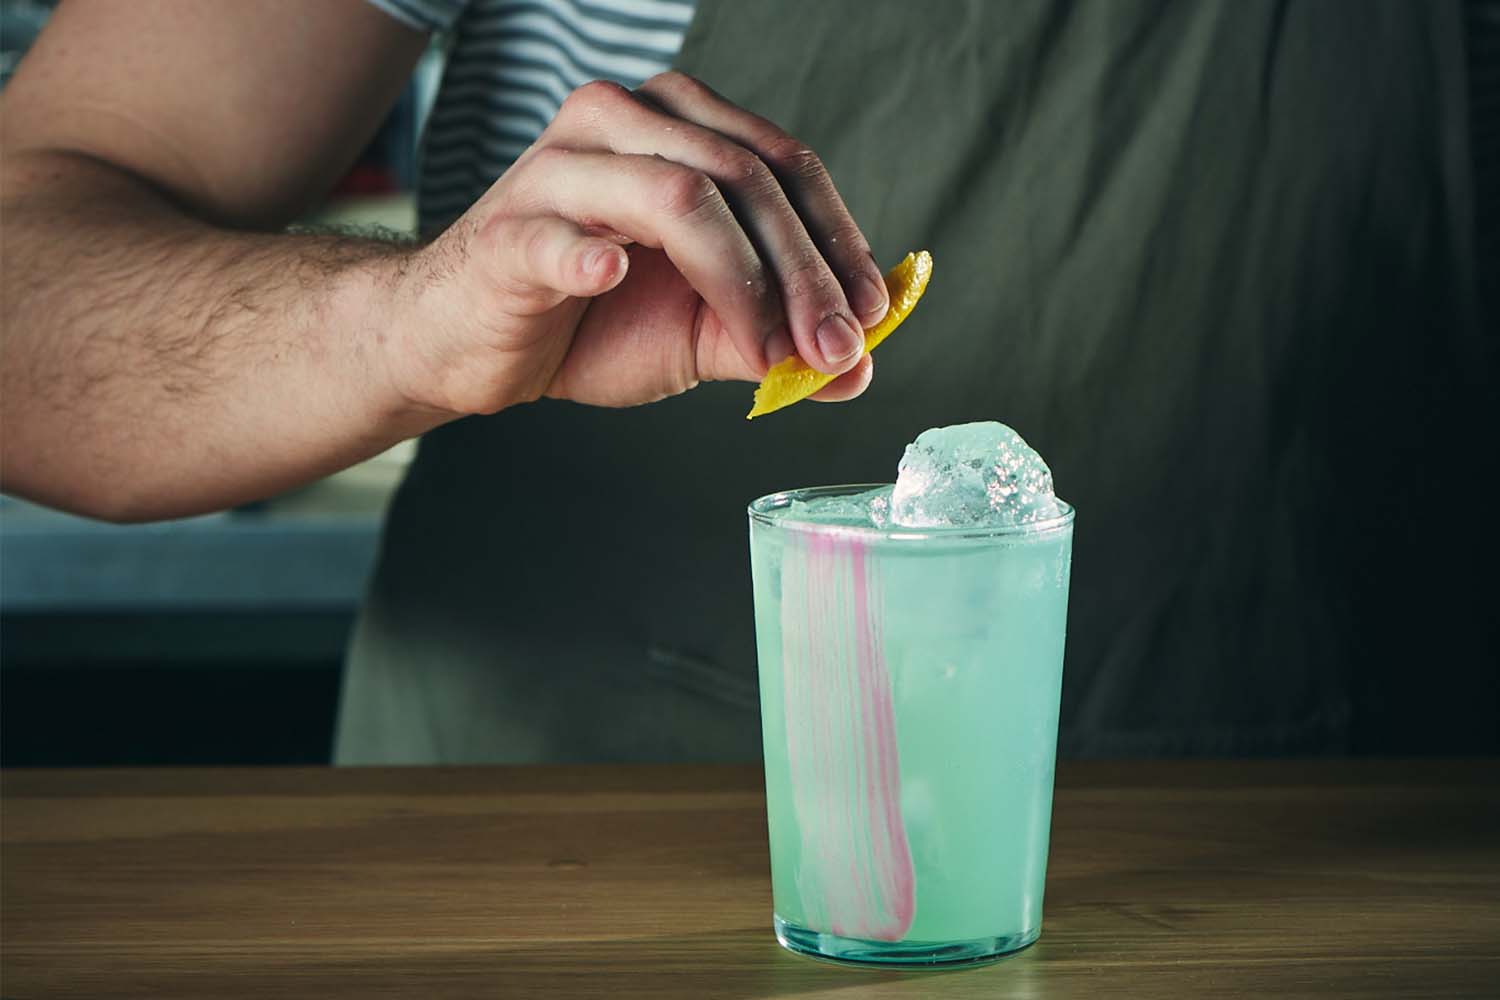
x,y
156,366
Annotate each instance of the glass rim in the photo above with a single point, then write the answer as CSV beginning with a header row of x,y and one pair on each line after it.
x,y
760,512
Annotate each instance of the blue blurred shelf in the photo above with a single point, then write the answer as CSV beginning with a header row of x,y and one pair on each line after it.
x,y
242,562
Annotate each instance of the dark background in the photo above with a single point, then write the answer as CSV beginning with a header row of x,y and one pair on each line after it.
x,y
200,688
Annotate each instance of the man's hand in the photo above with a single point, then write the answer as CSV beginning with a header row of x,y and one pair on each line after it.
x,y
646,242
168,352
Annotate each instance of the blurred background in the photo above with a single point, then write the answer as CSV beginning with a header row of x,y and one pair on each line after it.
x,y
219,639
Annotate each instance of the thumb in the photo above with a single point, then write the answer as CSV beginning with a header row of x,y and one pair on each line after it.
x,y
546,254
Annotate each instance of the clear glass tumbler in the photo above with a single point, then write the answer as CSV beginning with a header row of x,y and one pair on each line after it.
x,y
909,684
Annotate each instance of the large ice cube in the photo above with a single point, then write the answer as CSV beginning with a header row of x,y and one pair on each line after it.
x,y
971,475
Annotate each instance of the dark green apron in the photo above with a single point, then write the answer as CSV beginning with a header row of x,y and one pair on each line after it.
x,y
1209,258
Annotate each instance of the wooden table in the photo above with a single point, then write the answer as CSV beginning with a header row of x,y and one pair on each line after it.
x,y
1287,879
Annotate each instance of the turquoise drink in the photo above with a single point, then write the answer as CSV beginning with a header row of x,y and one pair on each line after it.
x,y
909,684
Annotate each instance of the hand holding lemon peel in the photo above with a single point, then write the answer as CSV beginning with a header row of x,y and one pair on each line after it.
x,y
793,379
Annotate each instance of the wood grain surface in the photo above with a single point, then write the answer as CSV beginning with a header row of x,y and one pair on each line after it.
x,y
1194,879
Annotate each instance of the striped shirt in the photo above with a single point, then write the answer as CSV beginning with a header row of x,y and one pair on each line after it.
x,y
510,64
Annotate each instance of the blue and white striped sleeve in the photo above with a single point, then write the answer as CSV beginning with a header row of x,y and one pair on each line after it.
x,y
424,15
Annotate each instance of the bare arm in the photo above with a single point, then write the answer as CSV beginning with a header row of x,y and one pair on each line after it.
x,y
155,364
165,354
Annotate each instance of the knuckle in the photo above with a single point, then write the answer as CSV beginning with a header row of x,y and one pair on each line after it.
x,y
686,192
598,91
810,279
745,170
671,81
736,162
794,157
593,95
762,186
546,158
849,244
536,245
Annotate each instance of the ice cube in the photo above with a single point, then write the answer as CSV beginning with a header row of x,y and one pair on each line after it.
x,y
858,510
971,475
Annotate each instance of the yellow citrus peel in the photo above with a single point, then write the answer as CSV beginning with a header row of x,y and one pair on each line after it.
x,y
793,379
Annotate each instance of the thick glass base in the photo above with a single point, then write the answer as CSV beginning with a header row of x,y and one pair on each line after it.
x,y
857,951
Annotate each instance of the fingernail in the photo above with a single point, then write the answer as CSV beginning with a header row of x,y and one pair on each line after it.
x,y
838,339
868,300
598,261
779,347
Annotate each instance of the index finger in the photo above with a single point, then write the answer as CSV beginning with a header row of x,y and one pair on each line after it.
x,y
666,205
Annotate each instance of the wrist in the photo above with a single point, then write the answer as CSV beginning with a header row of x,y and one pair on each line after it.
x,y
386,302
444,338
373,300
